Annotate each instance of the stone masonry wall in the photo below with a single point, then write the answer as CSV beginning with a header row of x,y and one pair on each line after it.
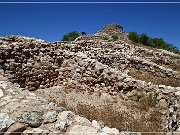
x,y
87,63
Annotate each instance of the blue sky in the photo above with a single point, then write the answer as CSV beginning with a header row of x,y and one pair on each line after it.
x,y
51,21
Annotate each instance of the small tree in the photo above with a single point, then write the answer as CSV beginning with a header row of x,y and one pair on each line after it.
x,y
144,39
71,36
133,36
152,42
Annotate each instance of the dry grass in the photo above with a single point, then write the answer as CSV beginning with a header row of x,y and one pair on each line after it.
x,y
147,102
176,66
143,116
124,121
145,76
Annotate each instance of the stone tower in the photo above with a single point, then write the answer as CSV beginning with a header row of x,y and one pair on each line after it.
x,y
112,29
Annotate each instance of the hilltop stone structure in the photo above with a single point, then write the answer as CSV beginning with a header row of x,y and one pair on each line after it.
x,y
112,29
113,71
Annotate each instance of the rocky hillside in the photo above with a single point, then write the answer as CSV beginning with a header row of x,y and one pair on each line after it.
x,y
123,86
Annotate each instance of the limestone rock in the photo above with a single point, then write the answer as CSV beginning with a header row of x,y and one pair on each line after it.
x,y
177,93
82,121
50,117
85,130
163,103
33,119
60,126
178,88
96,125
1,93
36,131
27,132
5,121
66,116
40,131
178,129
3,85
16,127
110,130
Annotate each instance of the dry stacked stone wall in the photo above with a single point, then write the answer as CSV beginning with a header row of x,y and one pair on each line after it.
x,y
86,65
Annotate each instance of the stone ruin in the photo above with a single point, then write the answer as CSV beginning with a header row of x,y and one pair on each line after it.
x,y
112,29
91,61
106,33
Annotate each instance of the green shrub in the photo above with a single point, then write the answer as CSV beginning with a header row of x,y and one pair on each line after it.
x,y
71,36
144,39
152,42
115,37
133,36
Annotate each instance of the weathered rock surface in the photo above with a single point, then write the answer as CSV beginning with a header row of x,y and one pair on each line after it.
x,y
33,118
51,116
96,125
36,115
82,121
15,128
78,130
5,121
110,130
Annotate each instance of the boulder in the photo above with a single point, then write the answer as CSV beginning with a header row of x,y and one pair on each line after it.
x,y
33,119
50,117
60,126
3,85
96,125
177,93
108,130
66,116
163,103
5,122
82,121
178,88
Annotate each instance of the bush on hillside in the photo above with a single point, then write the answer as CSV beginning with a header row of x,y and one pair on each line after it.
x,y
71,36
144,39
152,42
133,36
